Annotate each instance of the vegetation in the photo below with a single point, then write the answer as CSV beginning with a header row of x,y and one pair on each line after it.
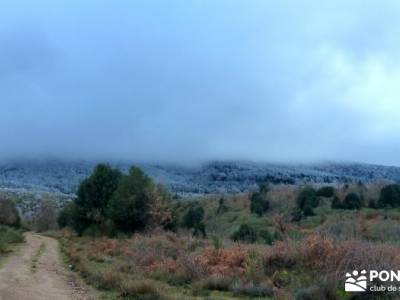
x,y
255,250
8,213
326,191
259,202
193,219
8,237
110,202
390,196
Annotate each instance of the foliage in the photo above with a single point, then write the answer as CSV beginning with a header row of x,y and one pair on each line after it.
x,y
109,203
326,191
47,216
129,207
246,234
9,235
66,215
222,208
336,203
390,196
306,200
259,202
94,193
352,201
8,213
194,219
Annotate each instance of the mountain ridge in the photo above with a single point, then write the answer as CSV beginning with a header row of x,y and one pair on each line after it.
x,y
213,177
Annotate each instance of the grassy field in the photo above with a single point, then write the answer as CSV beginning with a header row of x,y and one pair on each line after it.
x,y
306,259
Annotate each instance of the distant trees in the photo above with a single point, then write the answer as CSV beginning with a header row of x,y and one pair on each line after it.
x,y
8,213
259,202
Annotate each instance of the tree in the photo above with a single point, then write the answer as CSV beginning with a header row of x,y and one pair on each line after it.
x,y
352,201
94,193
326,191
390,196
307,197
129,207
66,216
336,203
47,216
193,219
259,202
8,213
245,233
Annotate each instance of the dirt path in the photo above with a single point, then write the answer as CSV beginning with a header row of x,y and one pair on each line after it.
x,y
36,272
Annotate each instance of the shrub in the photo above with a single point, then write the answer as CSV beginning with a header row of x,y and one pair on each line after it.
x,y
9,213
222,208
326,191
352,201
259,202
194,219
336,203
9,235
307,198
390,196
245,233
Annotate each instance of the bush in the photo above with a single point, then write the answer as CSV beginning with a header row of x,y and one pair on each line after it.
x,y
129,207
307,200
9,235
259,202
336,203
326,191
245,233
390,196
352,201
194,219
9,213
222,208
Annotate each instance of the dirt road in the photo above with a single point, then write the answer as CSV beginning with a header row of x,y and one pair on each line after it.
x,y
36,272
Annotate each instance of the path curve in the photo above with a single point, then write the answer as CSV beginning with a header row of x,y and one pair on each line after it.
x,y
36,272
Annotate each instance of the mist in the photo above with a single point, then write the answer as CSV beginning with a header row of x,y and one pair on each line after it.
x,y
188,81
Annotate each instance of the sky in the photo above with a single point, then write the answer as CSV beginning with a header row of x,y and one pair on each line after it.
x,y
198,80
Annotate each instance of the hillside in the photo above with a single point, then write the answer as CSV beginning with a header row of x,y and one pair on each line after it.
x,y
214,177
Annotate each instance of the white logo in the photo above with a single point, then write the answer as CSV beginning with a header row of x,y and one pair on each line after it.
x,y
356,283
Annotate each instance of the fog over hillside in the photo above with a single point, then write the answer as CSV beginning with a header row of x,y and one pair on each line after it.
x,y
214,177
184,81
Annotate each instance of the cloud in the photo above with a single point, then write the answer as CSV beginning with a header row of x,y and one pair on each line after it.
x,y
198,80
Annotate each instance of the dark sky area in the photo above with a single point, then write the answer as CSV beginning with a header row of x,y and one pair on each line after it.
x,y
184,81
